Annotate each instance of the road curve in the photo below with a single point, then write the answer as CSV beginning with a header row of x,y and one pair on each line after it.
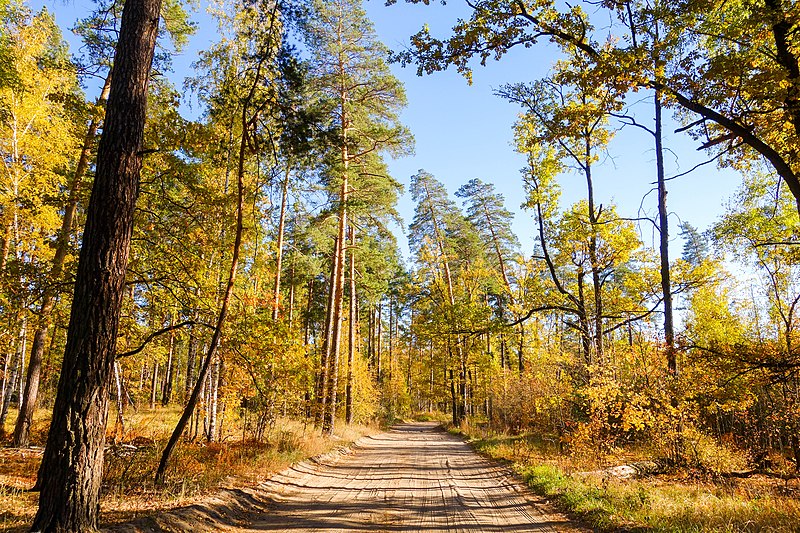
x,y
415,477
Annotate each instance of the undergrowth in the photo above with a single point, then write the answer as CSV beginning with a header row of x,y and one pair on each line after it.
x,y
196,468
681,501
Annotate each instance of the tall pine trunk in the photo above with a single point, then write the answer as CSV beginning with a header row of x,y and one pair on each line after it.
x,y
71,469
351,341
337,292
327,342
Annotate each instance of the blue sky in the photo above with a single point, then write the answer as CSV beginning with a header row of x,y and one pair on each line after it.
x,y
464,132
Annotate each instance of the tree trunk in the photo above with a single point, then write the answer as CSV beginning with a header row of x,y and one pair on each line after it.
x,y
71,469
3,388
213,401
154,385
119,431
338,304
371,337
595,266
309,305
663,227
11,374
309,400
223,311
391,338
351,341
169,370
453,400
583,322
378,342
31,393
325,354
191,353
291,294
431,378
279,245
221,405
502,351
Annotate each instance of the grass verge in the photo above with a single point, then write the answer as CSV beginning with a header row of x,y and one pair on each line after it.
x,y
677,502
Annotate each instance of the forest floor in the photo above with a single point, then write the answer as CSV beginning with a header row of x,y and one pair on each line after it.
x,y
676,500
198,470
414,477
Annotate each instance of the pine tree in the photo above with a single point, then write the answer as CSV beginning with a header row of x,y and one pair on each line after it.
x,y
433,236
71,468
695,244
362,99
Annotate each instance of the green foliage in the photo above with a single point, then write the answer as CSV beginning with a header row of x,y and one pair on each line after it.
x,y
99,31
695,245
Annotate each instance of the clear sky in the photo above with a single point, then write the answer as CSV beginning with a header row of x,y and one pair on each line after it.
x,y
464,132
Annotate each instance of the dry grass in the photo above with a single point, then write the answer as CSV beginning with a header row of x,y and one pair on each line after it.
x,y
681,501
432,416
196,469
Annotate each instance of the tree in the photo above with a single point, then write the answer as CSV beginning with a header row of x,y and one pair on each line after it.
x,y
492,221
487,214
435,235
7,73
73,456
747,101
363,101
247,74
38,116
569,112
97,59
695,244
595,273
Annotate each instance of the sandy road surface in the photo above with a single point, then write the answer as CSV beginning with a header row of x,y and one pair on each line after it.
x,y
415,477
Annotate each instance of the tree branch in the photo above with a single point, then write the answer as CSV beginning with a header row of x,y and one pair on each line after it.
x,y
159,333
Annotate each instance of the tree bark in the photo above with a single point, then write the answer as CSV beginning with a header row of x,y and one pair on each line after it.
x,y
351,341
593,221
379,342
119,431
31,393
191,353
154,384
12,372
333,348
325,354
279,245
663,230
213,401
71,469
169,369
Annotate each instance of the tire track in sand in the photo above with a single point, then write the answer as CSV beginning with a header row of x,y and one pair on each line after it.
x,y
414,477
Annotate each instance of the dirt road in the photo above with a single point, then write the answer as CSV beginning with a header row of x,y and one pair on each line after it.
x,y
414,477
